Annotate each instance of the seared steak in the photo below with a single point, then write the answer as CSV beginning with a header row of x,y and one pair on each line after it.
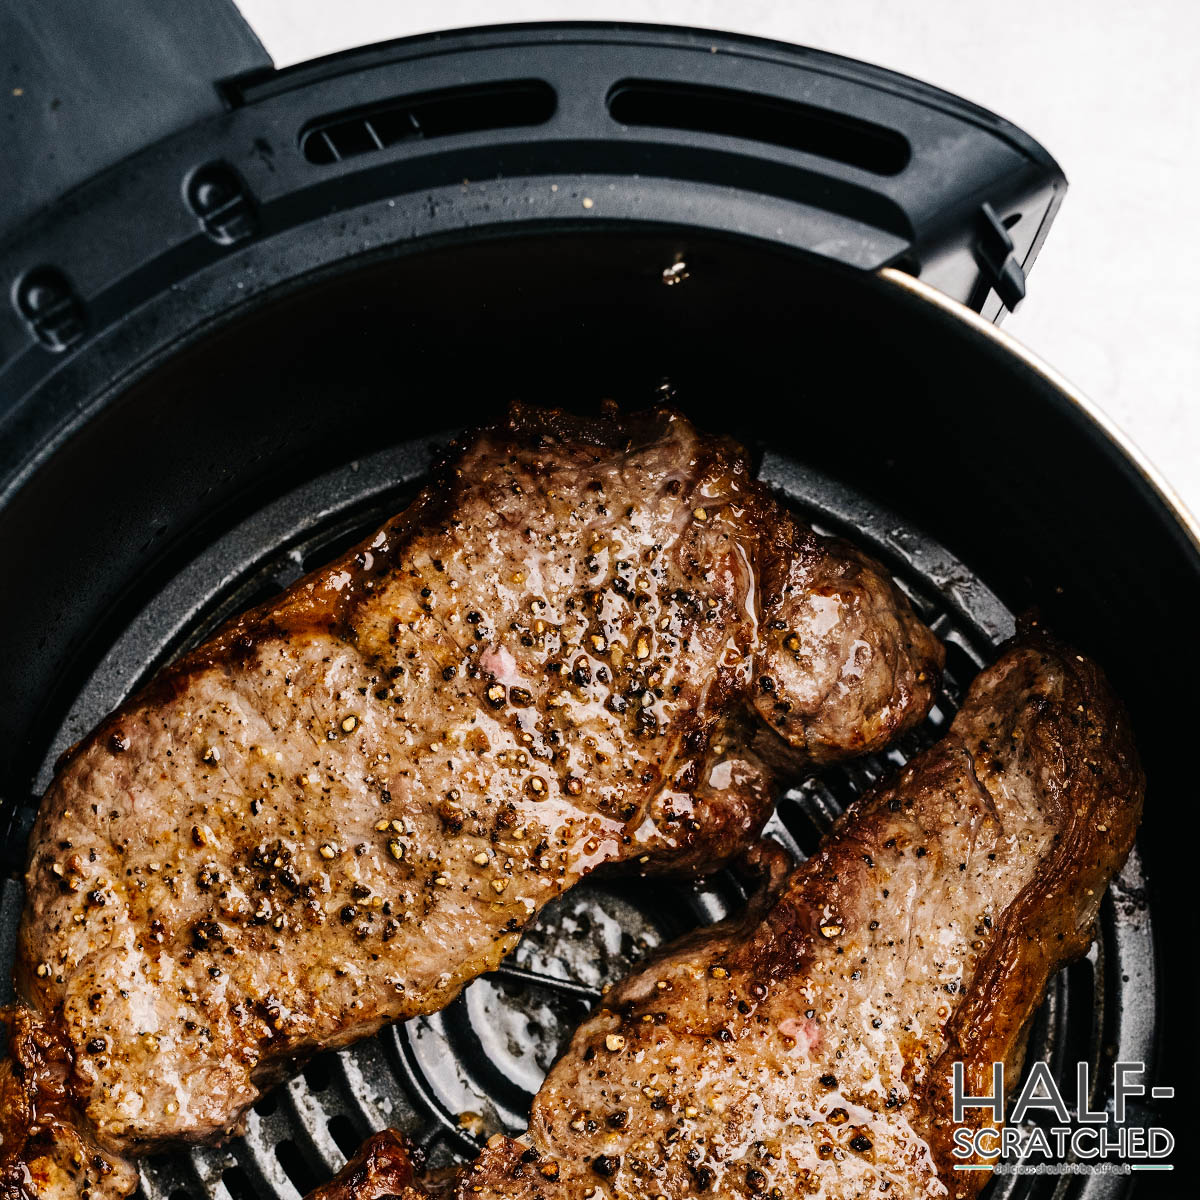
x,y
587,642
385,1166
806,1049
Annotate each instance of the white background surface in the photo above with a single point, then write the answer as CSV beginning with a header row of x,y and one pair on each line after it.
x,y
1110,87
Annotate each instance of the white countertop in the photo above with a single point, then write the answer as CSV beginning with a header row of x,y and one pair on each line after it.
x,y
1111,89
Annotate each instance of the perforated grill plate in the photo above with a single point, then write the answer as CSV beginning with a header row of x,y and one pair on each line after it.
x,y
452,1079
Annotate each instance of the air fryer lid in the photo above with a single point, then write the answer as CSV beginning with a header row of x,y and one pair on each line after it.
x,y
262,379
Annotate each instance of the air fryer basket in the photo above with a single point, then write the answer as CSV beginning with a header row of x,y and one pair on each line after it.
x,y
261,445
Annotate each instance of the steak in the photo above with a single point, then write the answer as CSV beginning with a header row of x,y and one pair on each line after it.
x,y
587,642
386,1165
807,1047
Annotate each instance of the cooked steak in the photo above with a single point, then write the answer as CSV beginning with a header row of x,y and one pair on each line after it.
x,y
586,643
806,1049
385,1166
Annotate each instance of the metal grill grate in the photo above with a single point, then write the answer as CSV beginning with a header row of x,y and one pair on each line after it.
x,y
451,1079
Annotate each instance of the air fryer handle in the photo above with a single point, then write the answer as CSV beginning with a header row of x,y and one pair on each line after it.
x,y
937,185
86,85
859,165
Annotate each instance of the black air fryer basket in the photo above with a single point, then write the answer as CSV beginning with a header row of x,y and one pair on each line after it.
x,y
263,303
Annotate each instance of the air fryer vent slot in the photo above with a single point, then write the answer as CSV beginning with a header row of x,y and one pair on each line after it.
x,y
507,105
756,118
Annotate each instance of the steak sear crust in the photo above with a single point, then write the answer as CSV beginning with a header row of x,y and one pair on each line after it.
x,y
351,800
385,1166
806,1048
